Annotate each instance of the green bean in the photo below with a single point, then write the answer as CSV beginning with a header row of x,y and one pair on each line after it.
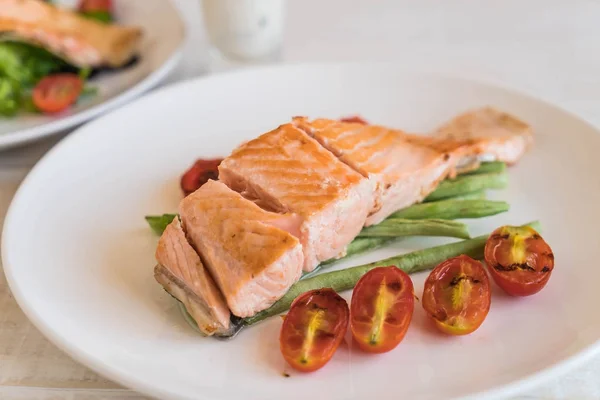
x,y
396,227
357,246
467,184
360,245
364,244
477,195
488,167
159,223
452,209
417,261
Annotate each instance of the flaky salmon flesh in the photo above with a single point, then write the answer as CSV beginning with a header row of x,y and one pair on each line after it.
x,y
488,134
250,253
287,171
79,40
181,272
298,195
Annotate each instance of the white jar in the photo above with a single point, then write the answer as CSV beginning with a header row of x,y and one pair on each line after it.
x,y
245,30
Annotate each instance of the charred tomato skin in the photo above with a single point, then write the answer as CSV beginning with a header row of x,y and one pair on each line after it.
x,y
198,174
519,260
381,309
313,329
457,295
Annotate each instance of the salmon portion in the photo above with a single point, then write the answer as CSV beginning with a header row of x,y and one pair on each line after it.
x,y
487,134
250,252
79,40
403,171
183,275
286,171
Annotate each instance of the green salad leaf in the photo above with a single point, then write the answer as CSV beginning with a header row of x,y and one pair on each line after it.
x,y
27,104
27,64
159,223
22,66
10,97
101,16
88,91
84,73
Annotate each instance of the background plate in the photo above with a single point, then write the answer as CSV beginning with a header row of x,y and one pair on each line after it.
x,y
164,32
79,257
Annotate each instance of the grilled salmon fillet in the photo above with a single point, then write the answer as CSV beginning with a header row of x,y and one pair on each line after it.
x,y
79,40
286,171
182,274
250,253
404,168
403,171
488,134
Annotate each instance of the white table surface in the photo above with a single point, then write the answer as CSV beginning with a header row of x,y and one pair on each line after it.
x,y
550,48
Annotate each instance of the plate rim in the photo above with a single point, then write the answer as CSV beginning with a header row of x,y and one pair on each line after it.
x,y
23,136
130,381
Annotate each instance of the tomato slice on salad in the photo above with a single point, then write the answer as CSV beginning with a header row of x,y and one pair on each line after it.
x,y
56,93
200,173
519,260
457,295
313,329
99,10
355,119
381,309
95,5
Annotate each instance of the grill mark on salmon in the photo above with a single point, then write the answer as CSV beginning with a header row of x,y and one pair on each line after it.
x,y
402,172
285,170
405,168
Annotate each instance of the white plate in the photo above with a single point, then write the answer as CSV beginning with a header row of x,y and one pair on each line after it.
x,y
79,256
164,32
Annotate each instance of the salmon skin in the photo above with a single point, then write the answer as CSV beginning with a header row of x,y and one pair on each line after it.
x,y
249,251
181,273
286,171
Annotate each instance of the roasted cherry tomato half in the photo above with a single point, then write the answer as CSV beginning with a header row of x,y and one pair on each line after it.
x,y
381,309
313,329
519,260
457,295
57,92
200,173
355,119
